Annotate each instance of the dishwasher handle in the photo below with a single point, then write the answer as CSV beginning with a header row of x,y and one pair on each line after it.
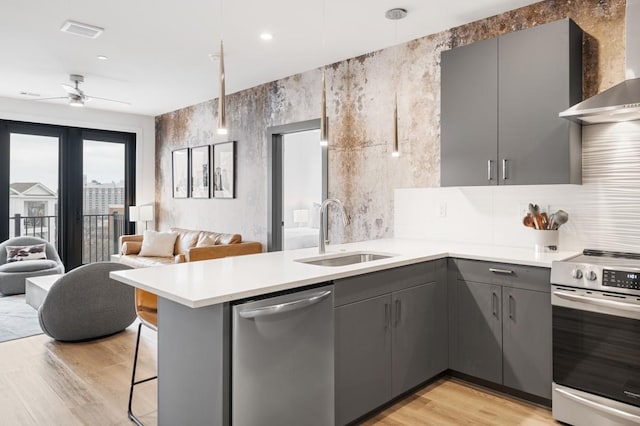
x,y
285,307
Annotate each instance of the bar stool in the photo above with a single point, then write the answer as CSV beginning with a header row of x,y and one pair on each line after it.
x,y
147,312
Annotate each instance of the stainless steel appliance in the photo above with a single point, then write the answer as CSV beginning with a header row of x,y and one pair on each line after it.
x,y
596,339
282,370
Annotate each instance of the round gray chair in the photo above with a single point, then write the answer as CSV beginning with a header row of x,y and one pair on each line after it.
x,y
14,274
86,304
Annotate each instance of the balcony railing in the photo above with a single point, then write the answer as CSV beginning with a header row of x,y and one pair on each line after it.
x,y
100,232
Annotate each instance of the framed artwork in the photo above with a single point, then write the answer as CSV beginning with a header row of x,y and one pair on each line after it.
x,y
224,170
180,173
200,181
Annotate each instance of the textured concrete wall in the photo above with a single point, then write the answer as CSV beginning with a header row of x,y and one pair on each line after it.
x,y
360,92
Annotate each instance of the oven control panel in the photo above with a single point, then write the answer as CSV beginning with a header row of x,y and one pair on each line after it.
x,y
621,279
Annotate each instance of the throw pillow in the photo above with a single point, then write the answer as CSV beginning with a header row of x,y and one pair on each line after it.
x,y
207,241
158,244
17,253
131,247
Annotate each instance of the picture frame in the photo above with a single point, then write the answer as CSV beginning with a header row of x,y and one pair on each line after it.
x,y
224,170
199,166
180,173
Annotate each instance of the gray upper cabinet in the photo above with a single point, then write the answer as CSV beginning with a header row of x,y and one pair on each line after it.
x,y
540,74
500,103
469,114
527,341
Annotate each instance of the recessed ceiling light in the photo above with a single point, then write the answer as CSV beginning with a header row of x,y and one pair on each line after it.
x,y
266,36
31,94
102,57
215,57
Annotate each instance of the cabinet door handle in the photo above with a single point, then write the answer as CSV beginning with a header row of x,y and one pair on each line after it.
x,y
511,305
504,169
397,320
488,169
501,271
494,303
387,315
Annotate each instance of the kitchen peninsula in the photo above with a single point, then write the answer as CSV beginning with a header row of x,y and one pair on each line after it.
x,y
196,299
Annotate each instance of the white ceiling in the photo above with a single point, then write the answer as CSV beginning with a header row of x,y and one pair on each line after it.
x,y
159,49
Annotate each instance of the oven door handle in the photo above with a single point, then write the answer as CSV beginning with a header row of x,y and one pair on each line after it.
x,y
600,407
598,302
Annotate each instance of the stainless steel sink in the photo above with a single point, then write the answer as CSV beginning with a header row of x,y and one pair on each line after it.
x,y
344,259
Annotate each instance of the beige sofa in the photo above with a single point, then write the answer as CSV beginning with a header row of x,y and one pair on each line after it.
x,y
190,246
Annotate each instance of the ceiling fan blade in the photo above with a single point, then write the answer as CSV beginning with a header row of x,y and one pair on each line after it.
x,y
109,100
72,90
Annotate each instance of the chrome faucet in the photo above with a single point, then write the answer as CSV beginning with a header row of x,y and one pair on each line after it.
x,y
323,210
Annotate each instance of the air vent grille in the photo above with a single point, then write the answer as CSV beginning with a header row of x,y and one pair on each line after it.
x,y
80,29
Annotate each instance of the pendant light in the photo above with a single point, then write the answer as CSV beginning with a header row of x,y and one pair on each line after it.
x,y
222,107
395,15
324,127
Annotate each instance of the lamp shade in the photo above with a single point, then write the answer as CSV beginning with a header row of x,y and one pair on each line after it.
x,y
134,213
146,213
301,216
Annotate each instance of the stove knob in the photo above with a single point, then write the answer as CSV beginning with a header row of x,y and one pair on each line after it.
x,y
576,273
590,275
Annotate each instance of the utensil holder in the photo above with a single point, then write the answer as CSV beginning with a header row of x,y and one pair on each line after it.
x,y
545,241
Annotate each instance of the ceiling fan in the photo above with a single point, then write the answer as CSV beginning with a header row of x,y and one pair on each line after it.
x,y
76,96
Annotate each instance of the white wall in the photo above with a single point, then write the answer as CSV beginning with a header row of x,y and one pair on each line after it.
x,y
604,212
302,179
142,126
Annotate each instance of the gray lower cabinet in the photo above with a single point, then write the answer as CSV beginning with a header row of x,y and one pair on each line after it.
x,y
501,324
478,340
363,357
527,341
391,335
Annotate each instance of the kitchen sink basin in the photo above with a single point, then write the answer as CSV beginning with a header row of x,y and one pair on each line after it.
x,y
344,259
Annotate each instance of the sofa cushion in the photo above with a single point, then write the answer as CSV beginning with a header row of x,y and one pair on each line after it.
x,y
186,239
217,238
29,265
145,262
207,239
158,244
22,253
131,247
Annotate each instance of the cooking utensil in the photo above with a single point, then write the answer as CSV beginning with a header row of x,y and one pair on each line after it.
x,y
533,211
552,221
528,221
562,217
545,220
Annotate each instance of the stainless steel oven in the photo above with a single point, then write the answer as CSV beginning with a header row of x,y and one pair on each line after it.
x,y
596,339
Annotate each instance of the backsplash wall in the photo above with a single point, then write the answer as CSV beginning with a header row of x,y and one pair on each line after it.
x,y
359,94
604,212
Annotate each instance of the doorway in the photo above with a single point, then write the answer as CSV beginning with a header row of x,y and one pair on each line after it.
x,y
297,185
69,186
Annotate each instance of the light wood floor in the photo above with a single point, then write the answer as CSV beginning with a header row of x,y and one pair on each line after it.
x,y
43,382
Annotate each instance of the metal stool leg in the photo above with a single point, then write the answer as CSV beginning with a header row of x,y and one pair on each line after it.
x,y
132,417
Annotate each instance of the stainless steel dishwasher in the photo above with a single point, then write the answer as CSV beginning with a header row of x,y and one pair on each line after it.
x,y
282,370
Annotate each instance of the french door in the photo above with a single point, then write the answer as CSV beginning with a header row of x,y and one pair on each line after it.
x,y
67,185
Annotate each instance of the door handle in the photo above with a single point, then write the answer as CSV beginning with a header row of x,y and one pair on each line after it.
x,y
501,271
488,169
387,315
504,169
494,303
285,307
397,317
511,305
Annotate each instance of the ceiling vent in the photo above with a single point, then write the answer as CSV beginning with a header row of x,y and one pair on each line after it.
x,y
80,29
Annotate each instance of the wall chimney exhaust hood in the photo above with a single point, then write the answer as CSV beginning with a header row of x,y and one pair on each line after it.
x,y
622,101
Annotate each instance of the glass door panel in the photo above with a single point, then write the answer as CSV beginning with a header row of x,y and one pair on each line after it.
x,y
33,186
103,199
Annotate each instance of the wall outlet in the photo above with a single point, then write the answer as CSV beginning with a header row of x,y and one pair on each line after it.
x,y
442,209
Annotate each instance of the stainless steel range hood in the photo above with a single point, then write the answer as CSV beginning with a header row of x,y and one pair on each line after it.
x,y
622,101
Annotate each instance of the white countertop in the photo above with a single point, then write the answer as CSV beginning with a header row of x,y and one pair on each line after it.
x,y
210,282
